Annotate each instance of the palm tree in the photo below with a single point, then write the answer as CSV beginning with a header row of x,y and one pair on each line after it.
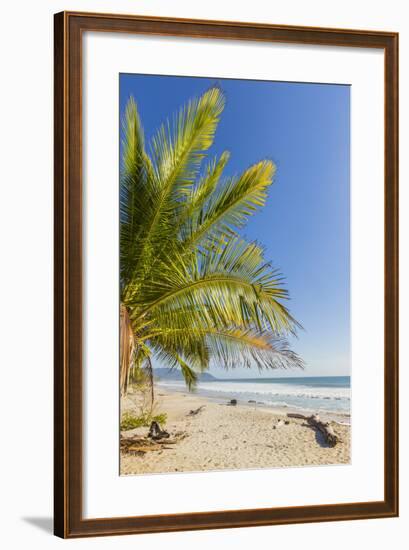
x,y
192,289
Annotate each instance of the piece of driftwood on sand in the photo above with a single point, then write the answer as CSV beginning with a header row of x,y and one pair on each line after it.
x,y
194,412
325,428
154,441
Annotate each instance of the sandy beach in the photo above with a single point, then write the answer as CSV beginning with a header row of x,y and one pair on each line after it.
x,y
221,436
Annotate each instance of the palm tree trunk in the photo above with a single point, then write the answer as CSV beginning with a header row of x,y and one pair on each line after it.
x,y
126,342
149,370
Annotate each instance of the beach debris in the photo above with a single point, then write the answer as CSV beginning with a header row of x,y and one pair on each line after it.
x,y
177,436
155,432
233,402
139,446
252,401
193,412
324,428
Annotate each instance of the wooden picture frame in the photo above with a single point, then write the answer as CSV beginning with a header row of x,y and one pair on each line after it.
x,y
68,339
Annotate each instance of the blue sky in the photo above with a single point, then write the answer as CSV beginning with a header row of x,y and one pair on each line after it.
x,y
305,130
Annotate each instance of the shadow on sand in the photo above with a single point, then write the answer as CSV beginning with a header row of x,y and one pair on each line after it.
x,y
318,436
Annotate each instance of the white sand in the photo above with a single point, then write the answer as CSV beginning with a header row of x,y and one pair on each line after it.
x,y
230,437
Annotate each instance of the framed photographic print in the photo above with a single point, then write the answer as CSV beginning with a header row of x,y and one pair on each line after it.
x,y
226,274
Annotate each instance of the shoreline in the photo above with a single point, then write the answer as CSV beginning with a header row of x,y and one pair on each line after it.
x,y
225,437
338,417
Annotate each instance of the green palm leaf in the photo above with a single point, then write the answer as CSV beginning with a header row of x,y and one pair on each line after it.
x,y
231,282
136,193
227,210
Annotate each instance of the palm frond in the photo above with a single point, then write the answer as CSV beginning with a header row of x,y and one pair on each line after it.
x,y
188,374
229,208
177,151
246,348
175,361
232,283
232,347
136,193
202,191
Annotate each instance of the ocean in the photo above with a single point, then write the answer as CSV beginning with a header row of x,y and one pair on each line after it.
x,y
330,394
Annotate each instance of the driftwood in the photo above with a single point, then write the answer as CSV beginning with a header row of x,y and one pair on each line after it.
x,y
138,445
141,445
325,428
193,412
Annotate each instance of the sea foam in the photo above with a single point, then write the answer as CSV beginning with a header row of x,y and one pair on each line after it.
x,y
304,394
